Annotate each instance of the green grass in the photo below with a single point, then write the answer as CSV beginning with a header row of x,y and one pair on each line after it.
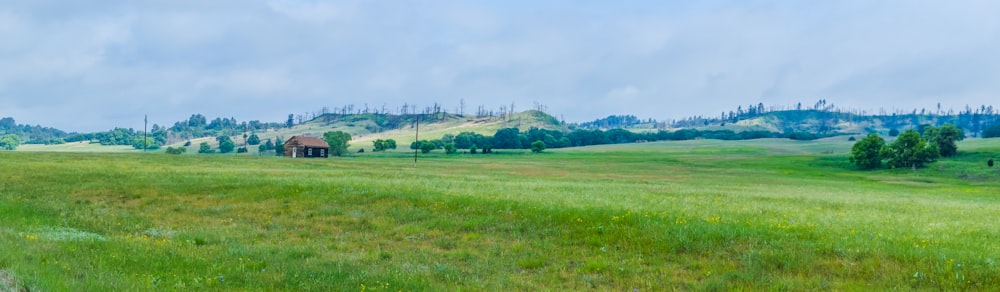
x,y
692,215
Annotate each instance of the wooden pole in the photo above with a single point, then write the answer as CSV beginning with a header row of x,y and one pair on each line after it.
x,y
416,142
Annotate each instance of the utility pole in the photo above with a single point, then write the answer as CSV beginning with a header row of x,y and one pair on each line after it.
x,y
145,133
416,142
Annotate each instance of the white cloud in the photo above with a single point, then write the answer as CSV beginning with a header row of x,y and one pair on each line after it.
x,y
660,59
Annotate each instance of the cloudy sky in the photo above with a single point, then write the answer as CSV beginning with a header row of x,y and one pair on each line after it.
x,y
94,65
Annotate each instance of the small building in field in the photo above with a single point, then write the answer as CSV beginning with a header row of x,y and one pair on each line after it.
x,y
306,147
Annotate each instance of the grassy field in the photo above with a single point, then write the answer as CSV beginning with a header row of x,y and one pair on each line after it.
x,y
692,215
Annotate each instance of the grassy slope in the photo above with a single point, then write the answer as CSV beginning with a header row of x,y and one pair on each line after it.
x,y
654,216
359,126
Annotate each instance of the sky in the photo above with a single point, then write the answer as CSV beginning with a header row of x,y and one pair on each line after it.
x,y
94,65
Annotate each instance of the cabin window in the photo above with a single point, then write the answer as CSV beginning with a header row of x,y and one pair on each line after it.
x,y
310,150
322,152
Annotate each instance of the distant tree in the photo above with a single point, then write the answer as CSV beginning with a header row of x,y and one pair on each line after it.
x,y
992,132
379,145
338,142
893,132
226,144
118,136
204,148
149,143
450,148
253,139
197,120
867,153
537,146
909,150
464,140
279,147
945,138
852,139
448,138
291,121
427,147
382,145
507,139
187,144
10,142
242,150
472,149
176,151
262,148
487,149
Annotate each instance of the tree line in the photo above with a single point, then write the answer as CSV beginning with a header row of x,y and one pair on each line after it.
x,y
28,134
513,138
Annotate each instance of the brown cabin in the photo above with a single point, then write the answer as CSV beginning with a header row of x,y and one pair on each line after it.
x,y
306,147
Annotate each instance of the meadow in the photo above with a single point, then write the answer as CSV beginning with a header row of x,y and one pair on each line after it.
x,y
692,215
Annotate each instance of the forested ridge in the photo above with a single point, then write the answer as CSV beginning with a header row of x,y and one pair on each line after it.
x,y
745,122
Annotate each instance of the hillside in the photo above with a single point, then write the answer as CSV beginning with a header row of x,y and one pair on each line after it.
x,y
776,122
810,121
365,128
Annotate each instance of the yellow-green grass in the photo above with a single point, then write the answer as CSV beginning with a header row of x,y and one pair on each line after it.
x,y
74,147
713,215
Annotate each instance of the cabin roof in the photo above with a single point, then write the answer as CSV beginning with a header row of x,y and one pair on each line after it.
x,y
308,142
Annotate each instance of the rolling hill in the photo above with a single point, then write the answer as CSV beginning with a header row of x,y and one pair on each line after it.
x,y
366,128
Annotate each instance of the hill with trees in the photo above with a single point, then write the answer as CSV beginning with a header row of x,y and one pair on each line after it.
x,y
821,118
369,124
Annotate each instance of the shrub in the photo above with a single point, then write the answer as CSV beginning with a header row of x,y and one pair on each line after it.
x,y
226,144
537,146
176,151
204,148
990,162
427,147
10,142
450,148
852,139
472,149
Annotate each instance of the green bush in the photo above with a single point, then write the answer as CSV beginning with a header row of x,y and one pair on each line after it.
x,y
176,151
427,147
537,146
10,142
204,148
